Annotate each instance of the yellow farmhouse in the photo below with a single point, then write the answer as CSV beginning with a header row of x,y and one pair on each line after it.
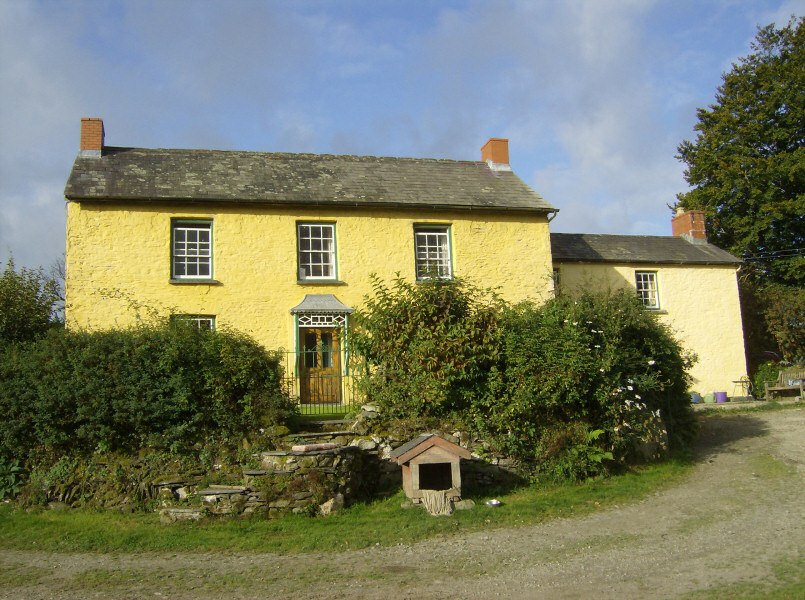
x,y
282,246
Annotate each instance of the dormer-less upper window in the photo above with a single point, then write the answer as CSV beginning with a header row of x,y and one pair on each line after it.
x,y
646,285
191,249
316,251
432,248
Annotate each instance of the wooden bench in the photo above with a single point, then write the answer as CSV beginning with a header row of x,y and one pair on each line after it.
x,y
791,379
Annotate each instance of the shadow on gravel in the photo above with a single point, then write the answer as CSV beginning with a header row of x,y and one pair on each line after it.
x,y
718,431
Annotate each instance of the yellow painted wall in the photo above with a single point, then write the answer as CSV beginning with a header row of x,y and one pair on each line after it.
x,y
118,261
700,304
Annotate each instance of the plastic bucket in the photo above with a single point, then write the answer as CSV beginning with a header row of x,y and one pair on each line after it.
x,y
721,397
695,397
709,399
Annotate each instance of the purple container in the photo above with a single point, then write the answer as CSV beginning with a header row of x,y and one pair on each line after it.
x,y
721,397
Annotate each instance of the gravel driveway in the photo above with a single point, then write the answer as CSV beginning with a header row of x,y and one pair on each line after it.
x,y
733,522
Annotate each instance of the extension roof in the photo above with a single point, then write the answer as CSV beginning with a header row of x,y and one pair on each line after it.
x,y
648,249
279,179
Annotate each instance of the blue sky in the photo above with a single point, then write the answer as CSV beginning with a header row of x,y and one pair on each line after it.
x,y
594,95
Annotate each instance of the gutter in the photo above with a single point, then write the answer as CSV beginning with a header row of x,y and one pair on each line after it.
x,y
316,203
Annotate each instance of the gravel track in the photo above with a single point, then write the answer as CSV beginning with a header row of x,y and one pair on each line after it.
x,y
740,513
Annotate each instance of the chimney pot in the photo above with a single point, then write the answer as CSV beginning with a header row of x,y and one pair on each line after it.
x,y
496,151
689,225
92,135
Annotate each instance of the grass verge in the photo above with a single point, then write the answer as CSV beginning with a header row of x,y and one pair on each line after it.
x,y
363,525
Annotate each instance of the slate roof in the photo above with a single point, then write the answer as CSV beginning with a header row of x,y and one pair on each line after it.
x,y
592,247
158,175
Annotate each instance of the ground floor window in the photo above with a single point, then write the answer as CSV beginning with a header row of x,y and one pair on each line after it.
x,y
206,322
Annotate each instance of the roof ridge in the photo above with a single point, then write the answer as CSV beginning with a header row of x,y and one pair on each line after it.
x,y
301,155
632,235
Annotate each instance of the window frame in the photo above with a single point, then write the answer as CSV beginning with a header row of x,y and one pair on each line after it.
x,y
196,320
332,252
188,225
441,229
644,293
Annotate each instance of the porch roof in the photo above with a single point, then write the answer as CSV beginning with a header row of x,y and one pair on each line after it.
x,y
322,304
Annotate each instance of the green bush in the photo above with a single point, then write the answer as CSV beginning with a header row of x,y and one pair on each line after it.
x,y
577,365
426,348
767,371
123,390
27,301
568,387
10,475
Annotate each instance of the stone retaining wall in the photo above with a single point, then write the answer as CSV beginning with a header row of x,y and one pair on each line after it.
x,y
323,472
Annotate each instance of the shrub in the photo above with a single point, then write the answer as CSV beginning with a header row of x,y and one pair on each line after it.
x,y
122,390
27,301
767,371
599,361
567,387
428,347
10,475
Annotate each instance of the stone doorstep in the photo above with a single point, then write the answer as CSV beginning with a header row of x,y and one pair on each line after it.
x,y
321,435
307,448
332,451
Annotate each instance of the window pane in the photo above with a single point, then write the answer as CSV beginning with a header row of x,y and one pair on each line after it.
x,y
326,350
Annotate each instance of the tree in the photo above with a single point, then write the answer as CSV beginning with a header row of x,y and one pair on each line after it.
x,y
27,301
747,164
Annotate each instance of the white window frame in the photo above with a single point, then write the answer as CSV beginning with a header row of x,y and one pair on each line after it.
x,y
433,252
648,289
205,322
315,251
188,254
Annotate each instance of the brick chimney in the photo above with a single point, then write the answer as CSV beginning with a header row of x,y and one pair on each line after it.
x,y
689,225
91,137
495,153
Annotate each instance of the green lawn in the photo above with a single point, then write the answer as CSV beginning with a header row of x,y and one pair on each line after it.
x,y
382,522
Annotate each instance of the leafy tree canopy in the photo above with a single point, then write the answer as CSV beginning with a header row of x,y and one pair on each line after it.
x,y
28,299
747,163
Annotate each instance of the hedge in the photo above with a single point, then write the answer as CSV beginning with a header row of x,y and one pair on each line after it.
x,y
166,387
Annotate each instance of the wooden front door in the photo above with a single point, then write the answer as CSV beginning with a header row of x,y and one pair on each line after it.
x,y
319,365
